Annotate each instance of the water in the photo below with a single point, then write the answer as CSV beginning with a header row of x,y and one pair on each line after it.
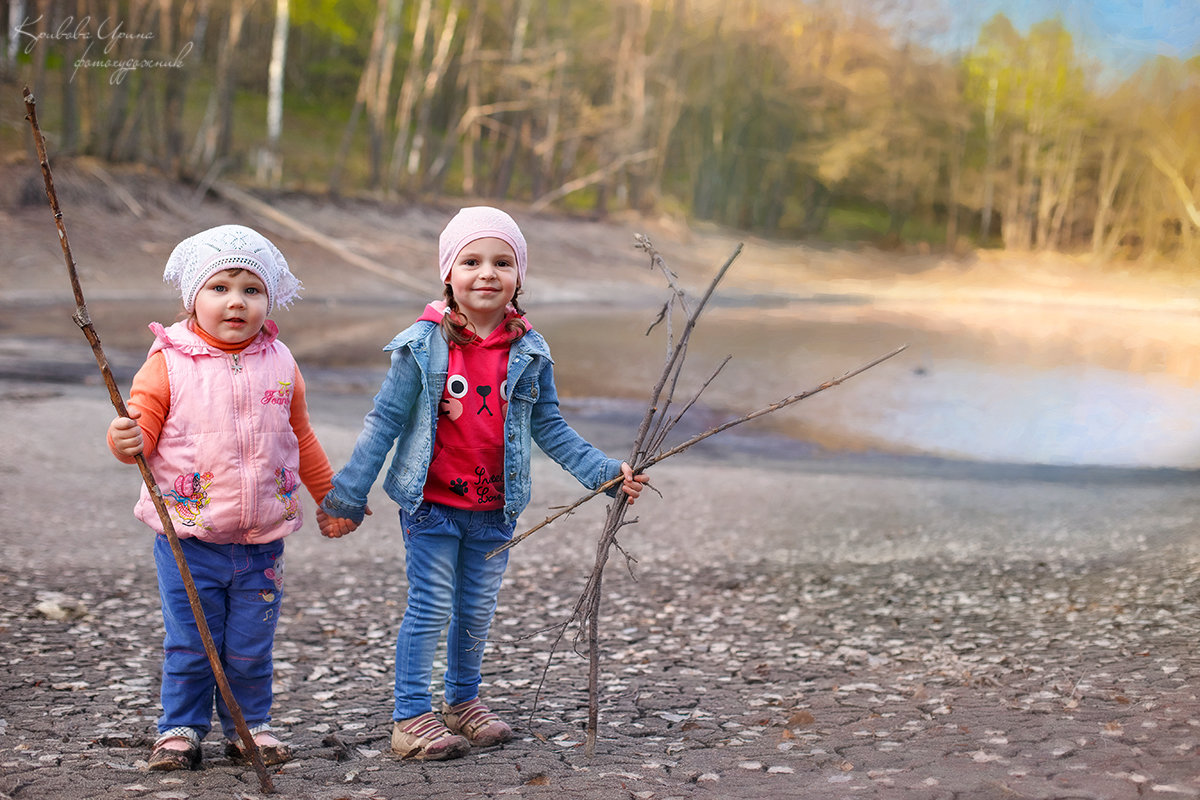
x,y
1048,386
1000,383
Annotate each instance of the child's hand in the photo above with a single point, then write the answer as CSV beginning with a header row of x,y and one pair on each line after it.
x,y
335,527
632,486
126,435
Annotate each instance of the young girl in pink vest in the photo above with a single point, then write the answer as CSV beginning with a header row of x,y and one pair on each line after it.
x,y
219,412
471,385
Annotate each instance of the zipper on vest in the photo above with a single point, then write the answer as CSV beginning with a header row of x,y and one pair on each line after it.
x,y
241,413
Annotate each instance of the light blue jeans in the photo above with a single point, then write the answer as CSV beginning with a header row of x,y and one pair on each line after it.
x,y
240,589
450,582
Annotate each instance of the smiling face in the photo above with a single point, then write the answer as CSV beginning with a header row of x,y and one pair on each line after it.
x,y
483,278
231,306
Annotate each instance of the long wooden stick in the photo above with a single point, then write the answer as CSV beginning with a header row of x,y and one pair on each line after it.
x,y
84,321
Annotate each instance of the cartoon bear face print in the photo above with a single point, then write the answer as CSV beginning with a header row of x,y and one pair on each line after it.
x,y
454,402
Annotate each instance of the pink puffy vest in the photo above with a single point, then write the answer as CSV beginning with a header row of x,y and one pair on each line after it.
x,y
227,458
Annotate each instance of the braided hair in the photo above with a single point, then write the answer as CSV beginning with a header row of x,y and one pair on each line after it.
x,y
458,331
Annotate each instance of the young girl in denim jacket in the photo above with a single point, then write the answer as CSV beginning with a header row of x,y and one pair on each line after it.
x,y
470,385
219,411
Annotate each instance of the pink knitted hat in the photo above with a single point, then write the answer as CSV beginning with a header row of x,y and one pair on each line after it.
x,y
480,222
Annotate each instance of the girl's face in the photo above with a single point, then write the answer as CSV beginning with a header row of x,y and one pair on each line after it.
x,y
484,280
231,306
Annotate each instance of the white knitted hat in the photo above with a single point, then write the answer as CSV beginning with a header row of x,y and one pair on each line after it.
x,y
199,257
480,222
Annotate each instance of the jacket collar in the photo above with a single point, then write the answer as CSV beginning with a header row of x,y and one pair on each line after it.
x,y
181,337
427,335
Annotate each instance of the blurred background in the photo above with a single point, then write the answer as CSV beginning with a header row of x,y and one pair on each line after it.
x,y
1011,188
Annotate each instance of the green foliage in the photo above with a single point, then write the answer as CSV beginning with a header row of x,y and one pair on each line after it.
x,y
754,115
338,21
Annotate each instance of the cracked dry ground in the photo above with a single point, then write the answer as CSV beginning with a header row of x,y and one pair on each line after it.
x,y
862,634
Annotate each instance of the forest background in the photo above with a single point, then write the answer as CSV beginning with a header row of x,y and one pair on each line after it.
x,y
815,120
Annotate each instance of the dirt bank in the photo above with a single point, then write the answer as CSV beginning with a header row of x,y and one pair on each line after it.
x,y
792,314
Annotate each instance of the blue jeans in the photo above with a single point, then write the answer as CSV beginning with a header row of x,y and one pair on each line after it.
x,y
449,582
241,589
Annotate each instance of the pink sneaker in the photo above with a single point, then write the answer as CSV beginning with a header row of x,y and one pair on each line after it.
x,y
476,722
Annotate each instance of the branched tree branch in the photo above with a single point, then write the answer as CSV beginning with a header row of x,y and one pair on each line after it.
x,y
656,425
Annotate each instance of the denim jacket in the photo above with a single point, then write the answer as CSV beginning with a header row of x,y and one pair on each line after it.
x,y
405,415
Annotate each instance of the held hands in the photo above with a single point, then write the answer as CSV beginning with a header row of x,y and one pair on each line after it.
x,y
336,527
126,435
632,485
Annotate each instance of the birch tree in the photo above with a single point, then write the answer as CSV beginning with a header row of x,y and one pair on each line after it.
x,y
271,164
17,14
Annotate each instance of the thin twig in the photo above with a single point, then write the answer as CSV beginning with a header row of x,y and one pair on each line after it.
x,y
84,321
587,606
676,356
668,425
679,448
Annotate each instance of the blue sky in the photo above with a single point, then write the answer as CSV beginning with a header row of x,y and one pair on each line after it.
x,y
1120,34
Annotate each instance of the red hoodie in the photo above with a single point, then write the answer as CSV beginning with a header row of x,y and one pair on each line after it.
x,y
467,470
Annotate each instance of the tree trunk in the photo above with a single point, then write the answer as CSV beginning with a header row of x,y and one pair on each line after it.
x,y
1066,196
954,161
45,12
16,16
271,164
408,93
989,168
217,131
129,129
72,133
520,31
466,131
379,104
174,88
367,82
472,77
423,135
1112,170
505,166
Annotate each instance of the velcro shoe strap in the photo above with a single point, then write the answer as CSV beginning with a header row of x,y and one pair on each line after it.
x,y
475,716
427,726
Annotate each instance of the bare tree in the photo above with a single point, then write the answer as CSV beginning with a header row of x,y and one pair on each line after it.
x,y
410,87
17,10
215,136
1114,157
417,158
270,167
